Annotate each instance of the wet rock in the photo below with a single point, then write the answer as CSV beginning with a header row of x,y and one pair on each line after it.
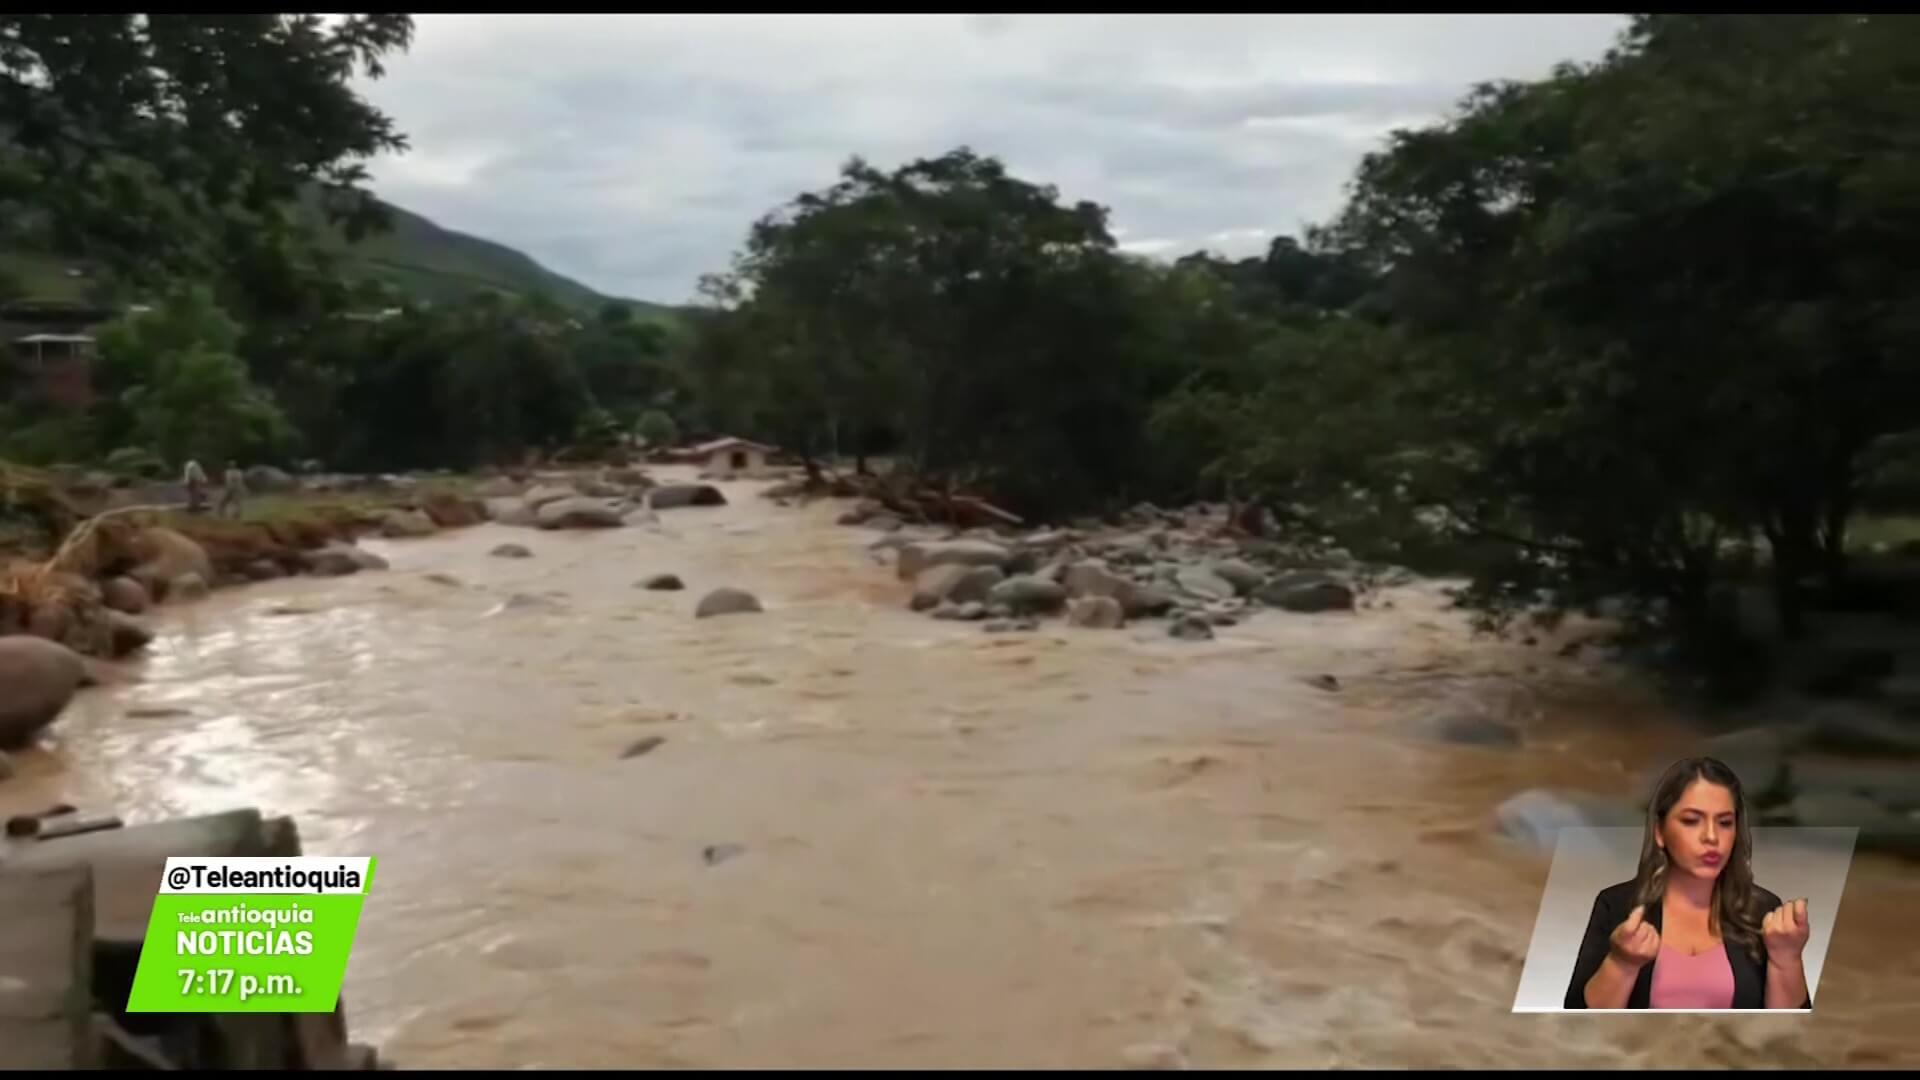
x,y
511,511
1306,591
860,513
975,585
1861,728
267,480
339,559
599,489
126,633
1222,618
1469,729
999,611
1146,600
1004,626
916,557
156,712
522,602
263,570
578,513
1028,595
969,612
187,587
1242,575
124,594
448,511
1096,613
1535,817
511,551
675,496
727,601
37,680
1190,628
445,579
643,746
931,586
1093,577
884,523
396,524
1323,682
499,487
662,583
164,554
715,854
543,494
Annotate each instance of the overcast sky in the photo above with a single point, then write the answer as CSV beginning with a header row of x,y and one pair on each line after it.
x,y
632,152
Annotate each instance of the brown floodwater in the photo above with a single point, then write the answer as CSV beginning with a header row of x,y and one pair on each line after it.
x,y
930,846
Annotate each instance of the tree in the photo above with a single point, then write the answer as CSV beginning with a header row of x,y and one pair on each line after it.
x,y
127,135
658,429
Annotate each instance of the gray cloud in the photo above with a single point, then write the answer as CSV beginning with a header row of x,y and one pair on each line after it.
x,y
632,152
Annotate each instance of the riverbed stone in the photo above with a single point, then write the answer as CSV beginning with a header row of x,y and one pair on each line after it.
x,y
1306,591
578,513
511,551
1027,594
1096,613
498,487
37,679
1535,817
1190,627
1242,575
126,633
187,587
1469,729
511,511
262,570
542,494
662,583
164,554
1003,626
675,496
930,586
727,601
396,524
916,557
125,594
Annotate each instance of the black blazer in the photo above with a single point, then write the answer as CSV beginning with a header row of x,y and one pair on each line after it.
x,y
1610,909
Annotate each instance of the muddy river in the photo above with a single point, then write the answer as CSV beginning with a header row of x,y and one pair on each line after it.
x,y
873,839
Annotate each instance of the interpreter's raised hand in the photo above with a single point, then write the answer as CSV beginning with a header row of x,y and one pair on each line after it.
x,y
1784,930
1635,942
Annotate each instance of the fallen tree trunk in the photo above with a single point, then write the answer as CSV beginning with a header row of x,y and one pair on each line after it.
x,y
905,497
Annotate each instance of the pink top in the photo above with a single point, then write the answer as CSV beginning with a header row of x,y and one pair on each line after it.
x,y
1692,982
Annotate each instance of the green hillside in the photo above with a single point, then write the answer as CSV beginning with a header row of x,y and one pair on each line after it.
x,y
415,256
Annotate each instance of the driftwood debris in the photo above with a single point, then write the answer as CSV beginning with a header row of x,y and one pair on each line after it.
x,y
912,500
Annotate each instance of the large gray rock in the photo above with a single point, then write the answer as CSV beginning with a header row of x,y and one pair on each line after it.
x,y
511,551
969,612
165,554
37,679
1535,817
579,513
975,585
499,487
511,511
267,480
662,583
405,523
338,560
675,496
187,587
1093,577
1190,628
1242,575
1201,582
126,633
1096,613
726,601
125,594
1146,600
542,494
916,557
1025,595
931,586
1306,591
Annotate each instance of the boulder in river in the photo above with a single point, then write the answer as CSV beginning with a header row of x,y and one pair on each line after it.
x,y
499,487
126,633
884,523
511,551
263,570
931,586
406,523
449,511
267,480
511,511
663,583
1469,728
1028,594
164,554
1003,626
579,513
675,496
727,601
187,587
1242,575
968,612
37,679
1535,817
339,559
1306,591
916,557
1096,613
1190,628
124,594
541,494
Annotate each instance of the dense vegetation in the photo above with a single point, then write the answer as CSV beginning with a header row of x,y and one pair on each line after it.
x,y
1637,329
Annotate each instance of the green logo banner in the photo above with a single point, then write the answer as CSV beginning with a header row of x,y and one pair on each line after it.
x,y
268,935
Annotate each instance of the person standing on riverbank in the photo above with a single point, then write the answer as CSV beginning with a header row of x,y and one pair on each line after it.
x,y
195,479
233,488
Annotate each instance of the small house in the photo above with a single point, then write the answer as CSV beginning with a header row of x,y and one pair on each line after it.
x,y
728,457
56,368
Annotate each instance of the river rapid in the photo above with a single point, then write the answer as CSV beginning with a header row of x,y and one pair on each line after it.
x,y
873,839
